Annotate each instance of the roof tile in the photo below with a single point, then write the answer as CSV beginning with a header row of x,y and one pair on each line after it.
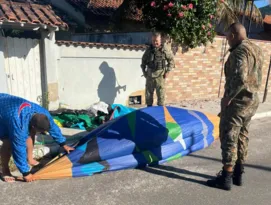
x,y
109,7
7,11
29,13
21,16
267,19
98,3
32,17
105,3
102,45
2,15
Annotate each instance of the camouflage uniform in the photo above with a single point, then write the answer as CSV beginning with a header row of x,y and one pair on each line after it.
x,y
154,68
243,72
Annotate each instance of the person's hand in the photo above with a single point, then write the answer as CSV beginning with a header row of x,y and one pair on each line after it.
x,y
68,149
165,75
29,178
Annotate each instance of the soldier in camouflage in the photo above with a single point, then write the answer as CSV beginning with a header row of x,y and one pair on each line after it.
x,y
243,72
157,62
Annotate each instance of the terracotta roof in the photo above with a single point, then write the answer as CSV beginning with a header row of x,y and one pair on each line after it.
x,y
134,10
137,15
267,19
267,23
98,3
102,45
105,3
109,7
99,7
29,13
104,7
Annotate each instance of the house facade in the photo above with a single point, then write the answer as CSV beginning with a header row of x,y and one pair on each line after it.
x,y
26,68
78,74
101,15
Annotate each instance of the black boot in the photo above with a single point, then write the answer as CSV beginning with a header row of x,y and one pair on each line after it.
x,y
223,180
237,175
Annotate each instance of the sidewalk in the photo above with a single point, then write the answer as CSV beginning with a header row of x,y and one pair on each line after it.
x,y
213,106
264,108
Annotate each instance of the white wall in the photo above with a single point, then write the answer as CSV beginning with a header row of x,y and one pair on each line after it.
x,y
3,79
51,56
84,79
50,52
22,67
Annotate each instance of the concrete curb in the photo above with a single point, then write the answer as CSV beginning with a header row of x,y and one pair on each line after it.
x,y
261,115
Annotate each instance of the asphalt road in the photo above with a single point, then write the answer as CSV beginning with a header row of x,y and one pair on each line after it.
x,y
179,182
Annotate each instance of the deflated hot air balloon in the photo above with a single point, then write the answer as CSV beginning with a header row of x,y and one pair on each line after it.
x,y
147,136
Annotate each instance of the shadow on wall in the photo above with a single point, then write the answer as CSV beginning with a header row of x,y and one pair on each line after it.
x,y
107,89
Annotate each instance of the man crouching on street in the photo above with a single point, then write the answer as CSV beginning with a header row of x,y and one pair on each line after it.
x,y
243,72
20,121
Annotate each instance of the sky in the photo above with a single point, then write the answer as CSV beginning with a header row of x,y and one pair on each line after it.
x,y
261,3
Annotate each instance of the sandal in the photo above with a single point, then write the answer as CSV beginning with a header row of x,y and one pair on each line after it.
x,y
8,179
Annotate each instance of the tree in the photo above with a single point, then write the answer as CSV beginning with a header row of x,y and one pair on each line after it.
x,y
187,22
229,11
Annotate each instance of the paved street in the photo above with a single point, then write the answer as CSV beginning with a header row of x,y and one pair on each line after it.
x,y
178,182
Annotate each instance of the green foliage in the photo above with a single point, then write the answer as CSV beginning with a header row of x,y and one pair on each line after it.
x,y
189,23
230,11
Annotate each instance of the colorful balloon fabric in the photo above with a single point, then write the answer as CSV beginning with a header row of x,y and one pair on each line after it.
x,y
147,136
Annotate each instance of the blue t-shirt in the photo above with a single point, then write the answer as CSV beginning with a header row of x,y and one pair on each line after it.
x,y
15,115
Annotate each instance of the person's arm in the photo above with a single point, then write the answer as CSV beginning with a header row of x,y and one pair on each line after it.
x,y
18,137
170,59
238,81
144,61
55,132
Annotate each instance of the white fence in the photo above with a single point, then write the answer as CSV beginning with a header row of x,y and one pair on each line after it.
x,y
22,67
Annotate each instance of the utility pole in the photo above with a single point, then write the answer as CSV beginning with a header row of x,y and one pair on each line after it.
x,y
251,11
266,85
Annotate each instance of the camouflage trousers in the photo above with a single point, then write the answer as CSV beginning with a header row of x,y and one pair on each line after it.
x,y
234,128
155,84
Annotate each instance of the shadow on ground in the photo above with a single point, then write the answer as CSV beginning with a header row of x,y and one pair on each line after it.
x,y
174,173
264,168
